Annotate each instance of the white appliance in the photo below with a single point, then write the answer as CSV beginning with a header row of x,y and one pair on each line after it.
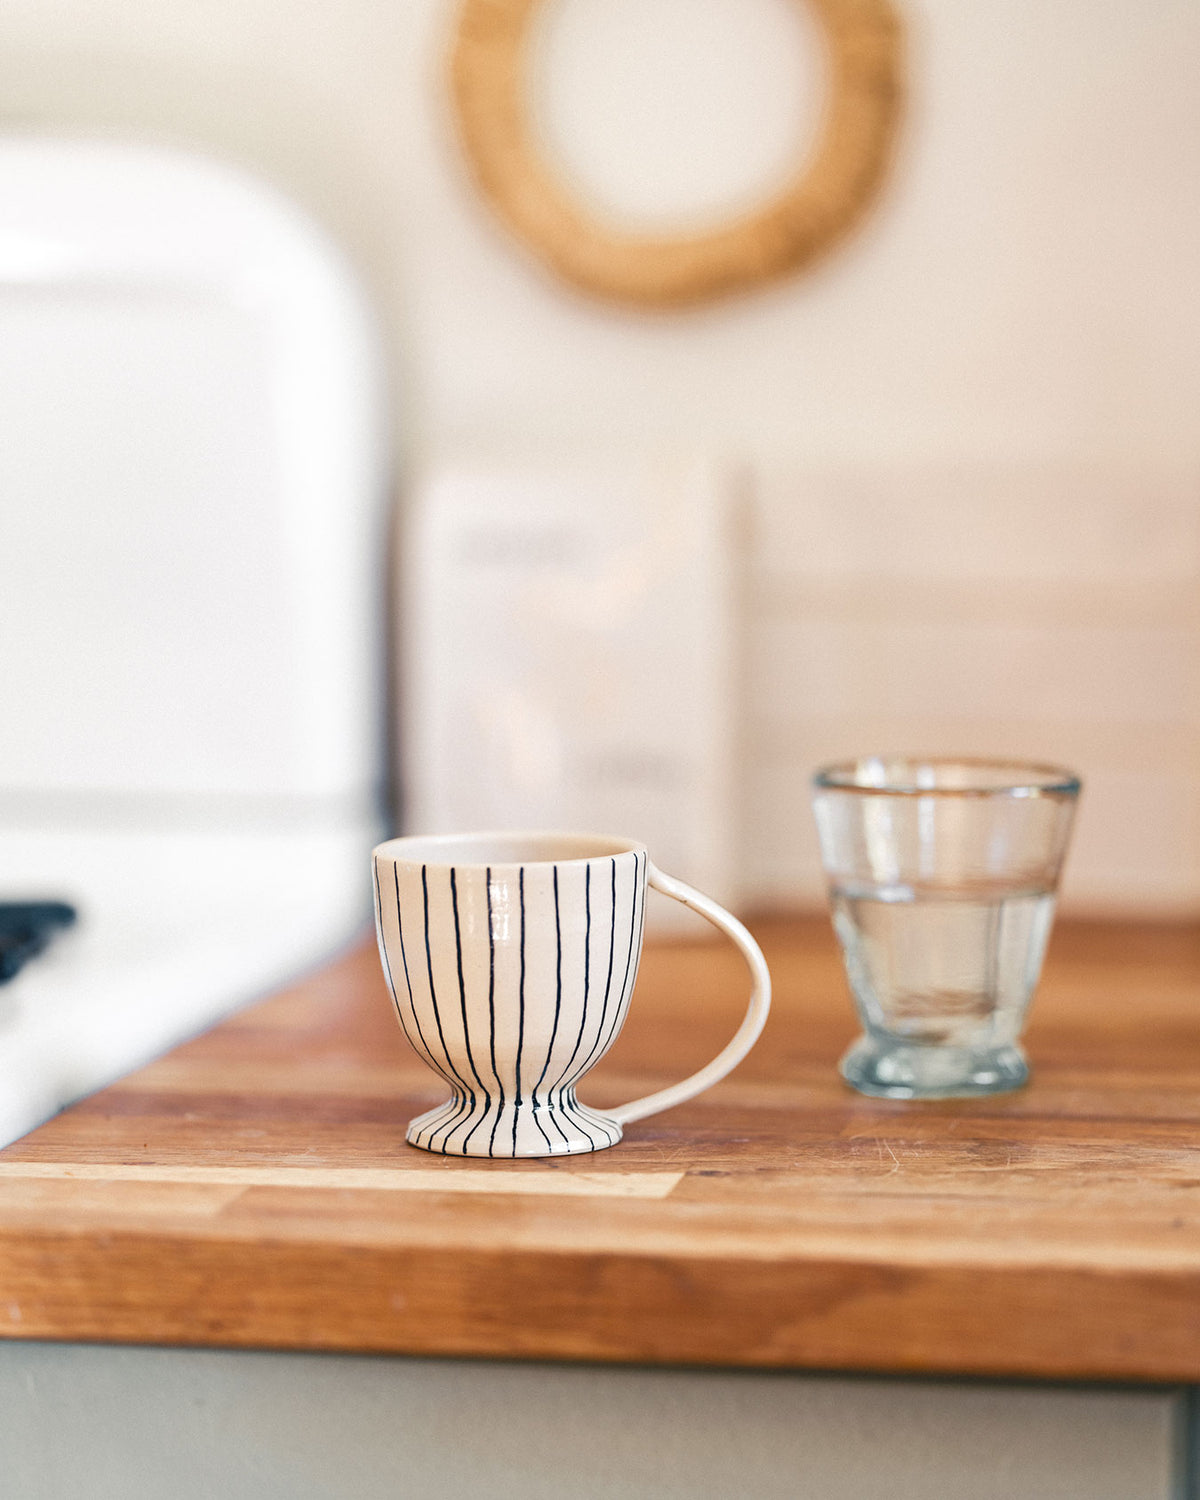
x,y
192,483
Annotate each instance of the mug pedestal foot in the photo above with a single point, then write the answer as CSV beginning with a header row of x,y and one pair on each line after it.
x,y
486,1128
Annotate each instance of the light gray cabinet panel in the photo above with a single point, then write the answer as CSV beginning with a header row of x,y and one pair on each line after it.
x,y
82,1422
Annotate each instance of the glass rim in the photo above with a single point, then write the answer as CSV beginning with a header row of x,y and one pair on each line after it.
x,y
1008,778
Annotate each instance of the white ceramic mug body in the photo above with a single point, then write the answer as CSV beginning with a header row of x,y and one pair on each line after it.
x,y
511,960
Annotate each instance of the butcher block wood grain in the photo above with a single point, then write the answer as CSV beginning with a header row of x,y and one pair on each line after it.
x,y
253,1188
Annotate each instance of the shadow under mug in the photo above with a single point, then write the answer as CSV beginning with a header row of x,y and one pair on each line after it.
x,y
511,960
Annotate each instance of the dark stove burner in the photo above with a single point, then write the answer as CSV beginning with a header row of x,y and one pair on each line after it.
x,y
25,929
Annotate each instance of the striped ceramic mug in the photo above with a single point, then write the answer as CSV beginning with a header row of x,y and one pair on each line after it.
x,y
511,960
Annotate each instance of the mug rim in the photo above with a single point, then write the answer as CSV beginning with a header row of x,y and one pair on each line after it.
x,y
982,776
436,850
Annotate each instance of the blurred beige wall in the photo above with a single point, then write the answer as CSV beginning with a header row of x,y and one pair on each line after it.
x,y
1027,287
971,434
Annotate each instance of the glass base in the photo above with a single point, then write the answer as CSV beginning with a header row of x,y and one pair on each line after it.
x,y
889,1069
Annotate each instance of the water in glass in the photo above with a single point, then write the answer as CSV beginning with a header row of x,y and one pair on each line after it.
x,y
933,967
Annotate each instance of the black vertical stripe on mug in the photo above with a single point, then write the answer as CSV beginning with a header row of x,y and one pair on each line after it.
x,y
439,1117
566,1103
612,938
640,912
462,1001
612,1024
387,963
425,1047
557,1013
605,1038
612,1131
463,1115
638,919
563,1087
610,1137
587,941
637,951
457,1111
437,1014
492,1013
451,1104
584,1120
623,995
642,917
521,1007
587,962
521,1026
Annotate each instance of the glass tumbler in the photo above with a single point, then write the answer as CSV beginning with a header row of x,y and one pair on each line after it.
x,y
942,879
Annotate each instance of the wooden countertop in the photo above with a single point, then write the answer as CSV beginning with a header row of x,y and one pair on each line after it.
x,y
253,1188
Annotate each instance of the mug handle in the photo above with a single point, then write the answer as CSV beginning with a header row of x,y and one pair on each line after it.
x,y
756,1011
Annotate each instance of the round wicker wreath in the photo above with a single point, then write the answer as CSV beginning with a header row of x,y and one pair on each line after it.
x,y
829,191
